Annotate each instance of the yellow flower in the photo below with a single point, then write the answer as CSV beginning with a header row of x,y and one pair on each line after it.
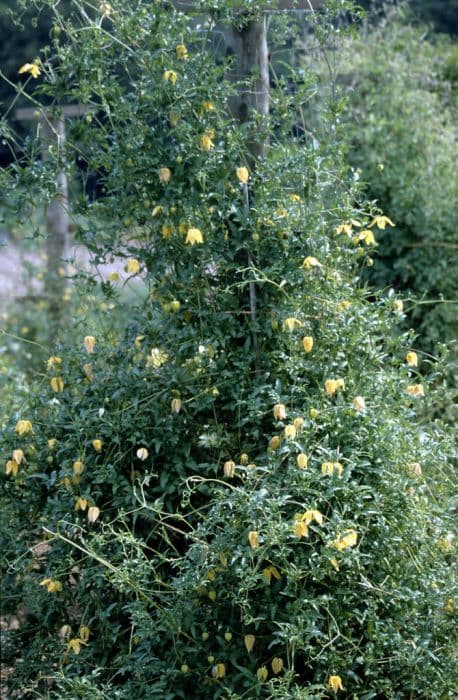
x,y
414,470
270,571
84,633
87,369
335,683
300,528
302,461
181,51
176,405
348,539
169,76
314,413
229,469
279,411
415,390
113,277
89,344
228,636
445,545
18,456
93,513
381,222
12,467
193,236
277,665
164,175
311,515
81,504
142,453
367,236
243,174
64,632
343,305
244,458
53,362
359,404
412,359
97,445
249,641
335,564
290,432
23,427
166,231
52,442
157,358
330,467
310,262
253,539
51,585
298,423
207,106
212,595
78,467
32,68
344,228
184,668
398,306
105,9
133,266
307,343
206,141
330,387
157,210
262,674
74,645
289,324
449,606
275,442
219,671
295,198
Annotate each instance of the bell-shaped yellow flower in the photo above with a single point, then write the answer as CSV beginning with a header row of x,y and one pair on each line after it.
x,y
132,266
335,683
229,469
93,513
206,141
84,633
164,175
249,641
32,68
302,461
89,343
142,453
78,467
88,371
414,470
277,665
359,404
275,442
194,236
347,540
242,174
81,504
97,445
253,539
57,384
307,343
412,359
18,456
381,222
219,671
314,413
181,52
279,411
169,76
311,262
23,427
291,323
52,586
74,645
262,674
290,432
12,467
415,390
244,458
53,362
176,405
271,571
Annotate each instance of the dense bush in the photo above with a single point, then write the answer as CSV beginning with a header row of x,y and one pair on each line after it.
x,y
230,495
401,124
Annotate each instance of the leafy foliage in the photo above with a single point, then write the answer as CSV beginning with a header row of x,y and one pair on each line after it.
x,y
217,506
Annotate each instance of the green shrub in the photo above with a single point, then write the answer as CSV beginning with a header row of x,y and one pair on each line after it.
x,y
400,121
211,505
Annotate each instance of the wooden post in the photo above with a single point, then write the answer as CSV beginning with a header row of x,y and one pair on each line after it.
x,y
52,134
250,69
